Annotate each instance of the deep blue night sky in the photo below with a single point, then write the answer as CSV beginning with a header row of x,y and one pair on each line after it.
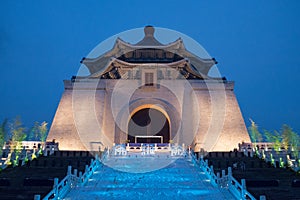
x,y
256,43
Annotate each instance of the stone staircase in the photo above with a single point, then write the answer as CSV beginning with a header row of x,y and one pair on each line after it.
x,y
178,180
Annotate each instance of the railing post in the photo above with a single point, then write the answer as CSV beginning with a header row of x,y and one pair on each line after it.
x,y
229,176
69,170
223,180
115,150
75,172
80,177
55,182
218,178
37,197
92,164
223,173
55,188
229,171
211,169
201,157
243,181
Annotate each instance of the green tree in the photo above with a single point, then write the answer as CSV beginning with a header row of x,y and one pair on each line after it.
x,y
17,136
17,132
268,135
3,135
38,131
287,136
295,142
254,133
277,141
43,130
34,133
275,138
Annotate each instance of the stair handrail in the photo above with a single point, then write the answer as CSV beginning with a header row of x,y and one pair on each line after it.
x,y
71,180
224,181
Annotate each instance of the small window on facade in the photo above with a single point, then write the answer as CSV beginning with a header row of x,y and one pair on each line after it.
x,y
149,79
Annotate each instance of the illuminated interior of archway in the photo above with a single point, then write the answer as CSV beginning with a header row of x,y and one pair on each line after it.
x,y
148,122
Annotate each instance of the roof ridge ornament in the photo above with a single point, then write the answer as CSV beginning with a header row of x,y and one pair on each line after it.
x,y
149,31
149,39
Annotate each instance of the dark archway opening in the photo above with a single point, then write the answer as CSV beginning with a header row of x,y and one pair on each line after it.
x,y
148,125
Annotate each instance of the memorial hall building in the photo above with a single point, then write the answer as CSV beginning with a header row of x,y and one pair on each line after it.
x,y
148,92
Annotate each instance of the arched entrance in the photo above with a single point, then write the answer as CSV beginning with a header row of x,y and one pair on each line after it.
x,y
148,125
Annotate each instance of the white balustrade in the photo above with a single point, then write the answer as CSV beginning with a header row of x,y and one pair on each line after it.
x,y
119,150
282,157
224,181
177,150
146,149
61,189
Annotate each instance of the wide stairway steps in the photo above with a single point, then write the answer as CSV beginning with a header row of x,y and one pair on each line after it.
x,y
179,180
